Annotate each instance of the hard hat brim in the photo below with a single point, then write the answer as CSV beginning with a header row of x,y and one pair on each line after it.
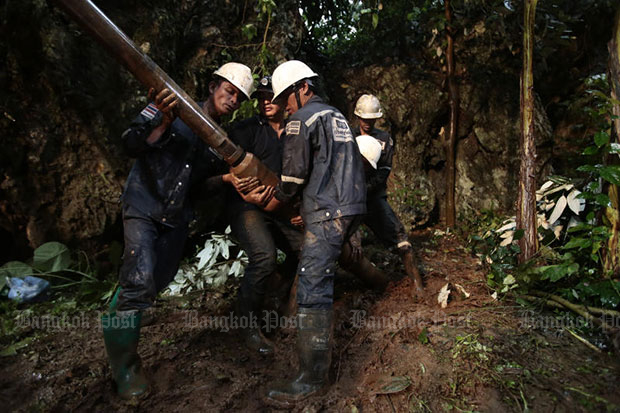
x,y
376,115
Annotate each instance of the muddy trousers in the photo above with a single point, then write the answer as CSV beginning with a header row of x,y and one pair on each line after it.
x,y
386,226
150,260
322,246
384,223
259,234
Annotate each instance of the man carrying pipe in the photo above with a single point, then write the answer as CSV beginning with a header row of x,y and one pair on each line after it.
x,y
156,206
162,208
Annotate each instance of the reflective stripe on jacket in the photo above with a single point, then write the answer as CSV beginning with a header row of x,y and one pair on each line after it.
x,y
321,157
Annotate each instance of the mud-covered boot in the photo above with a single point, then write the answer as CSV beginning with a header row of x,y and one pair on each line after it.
x,y
121,335
148,314
252,336
362,268
411,269
314,351
368,273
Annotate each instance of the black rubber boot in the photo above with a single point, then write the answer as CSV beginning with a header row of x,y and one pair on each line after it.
x,y
252,336
314,351
411,269
121,335
363,269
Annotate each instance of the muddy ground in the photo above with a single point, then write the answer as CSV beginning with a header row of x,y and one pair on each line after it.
x,y
392,353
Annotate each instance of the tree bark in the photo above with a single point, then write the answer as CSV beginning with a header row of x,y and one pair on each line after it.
x,y
450,140
526,202
611,258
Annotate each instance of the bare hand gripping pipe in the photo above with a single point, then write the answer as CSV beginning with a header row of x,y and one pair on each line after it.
x,y
96,23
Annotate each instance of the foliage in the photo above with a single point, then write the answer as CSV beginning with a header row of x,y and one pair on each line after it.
x,y
573,229
55,262
212,265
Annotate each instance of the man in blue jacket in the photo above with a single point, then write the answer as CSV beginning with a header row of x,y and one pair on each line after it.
x,y
321,164
381,218
156,206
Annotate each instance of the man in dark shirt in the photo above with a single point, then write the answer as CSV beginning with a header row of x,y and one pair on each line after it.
x,y
322,165
170,159
381,218
260,232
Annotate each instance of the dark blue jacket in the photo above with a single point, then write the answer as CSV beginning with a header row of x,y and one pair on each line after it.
x,y
321,158
255,135
161,177
376,180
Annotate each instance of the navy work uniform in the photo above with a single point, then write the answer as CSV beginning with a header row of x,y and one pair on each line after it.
x,y
156,204
381,218
260,232
321,158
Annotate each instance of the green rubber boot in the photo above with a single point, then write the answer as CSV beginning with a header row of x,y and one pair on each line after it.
x,y
314,351
114,301
121,335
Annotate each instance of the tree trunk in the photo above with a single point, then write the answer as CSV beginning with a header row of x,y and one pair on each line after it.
x,y
450,139
526,202
612,255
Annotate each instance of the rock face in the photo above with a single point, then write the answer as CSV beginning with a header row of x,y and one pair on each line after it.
x,y
487,154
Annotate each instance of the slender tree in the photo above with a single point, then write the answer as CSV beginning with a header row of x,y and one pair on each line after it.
x,y
526,203
612,259
450,137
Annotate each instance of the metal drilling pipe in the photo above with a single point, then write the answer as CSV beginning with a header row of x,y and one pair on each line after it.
x,y
98,25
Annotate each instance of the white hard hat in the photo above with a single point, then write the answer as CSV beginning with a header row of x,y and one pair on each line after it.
x,y
239,75
287,74
370,148
368,107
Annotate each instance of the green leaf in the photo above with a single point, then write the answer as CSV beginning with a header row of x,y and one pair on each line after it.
x,y
16,269
11,350
611,173
52,257
375,20
393,384
423,336
603,200
601,138
590,150
577,243
249,31
588,168
518,234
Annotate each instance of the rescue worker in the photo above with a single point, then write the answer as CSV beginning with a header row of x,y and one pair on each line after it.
x,y
156,208
257,231
321,163
381,218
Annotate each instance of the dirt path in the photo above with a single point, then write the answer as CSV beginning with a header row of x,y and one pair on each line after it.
x,y
391,353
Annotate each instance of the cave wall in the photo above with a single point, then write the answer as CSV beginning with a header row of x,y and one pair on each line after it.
x,y
65,102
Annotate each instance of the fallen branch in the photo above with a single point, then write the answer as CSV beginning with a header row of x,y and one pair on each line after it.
x,y
593,310
555,301
583,340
